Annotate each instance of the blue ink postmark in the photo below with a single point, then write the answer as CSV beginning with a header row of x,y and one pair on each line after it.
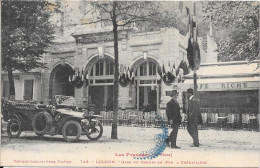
x,y
160,145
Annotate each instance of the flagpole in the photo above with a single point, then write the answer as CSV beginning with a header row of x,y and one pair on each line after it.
x,y
195,40
195,83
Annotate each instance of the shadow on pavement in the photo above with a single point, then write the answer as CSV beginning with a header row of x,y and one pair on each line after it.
x,y
58,138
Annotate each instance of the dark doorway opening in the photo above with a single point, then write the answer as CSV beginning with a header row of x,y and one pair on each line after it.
x,y
59,81
101,97
147,98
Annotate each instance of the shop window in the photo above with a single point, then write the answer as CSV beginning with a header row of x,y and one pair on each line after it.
x,y
28,89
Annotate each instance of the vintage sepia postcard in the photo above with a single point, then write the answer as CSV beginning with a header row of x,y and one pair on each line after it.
x,y
129,83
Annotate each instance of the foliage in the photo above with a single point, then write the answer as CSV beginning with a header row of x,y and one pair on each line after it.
x,y
26,32
240,22
165,18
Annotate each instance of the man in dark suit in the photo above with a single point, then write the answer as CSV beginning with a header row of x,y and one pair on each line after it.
x,y
193,117
174,119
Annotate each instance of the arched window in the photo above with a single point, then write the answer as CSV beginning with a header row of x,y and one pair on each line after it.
x,y
147,93
102,72
147,69
102,68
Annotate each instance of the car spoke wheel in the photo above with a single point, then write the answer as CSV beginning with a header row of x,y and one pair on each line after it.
x,y
71,131
95,131
14,128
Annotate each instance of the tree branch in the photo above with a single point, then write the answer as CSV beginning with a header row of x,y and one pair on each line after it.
x,y
98,21
101,6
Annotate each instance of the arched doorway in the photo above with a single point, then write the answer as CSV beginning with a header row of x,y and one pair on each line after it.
x,y
101,81
146,86
59,81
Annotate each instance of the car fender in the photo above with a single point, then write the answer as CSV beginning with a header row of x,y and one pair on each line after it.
x,y
20,118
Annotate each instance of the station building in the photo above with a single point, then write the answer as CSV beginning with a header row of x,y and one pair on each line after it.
x,y
91,51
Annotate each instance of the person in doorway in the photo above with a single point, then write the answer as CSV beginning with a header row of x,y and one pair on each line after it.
x,y
194,116
174,119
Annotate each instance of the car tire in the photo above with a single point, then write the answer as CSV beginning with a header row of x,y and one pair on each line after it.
x,y
14,128
71,131
42,122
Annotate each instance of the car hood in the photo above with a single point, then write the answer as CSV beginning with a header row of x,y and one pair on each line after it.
x,y
71,113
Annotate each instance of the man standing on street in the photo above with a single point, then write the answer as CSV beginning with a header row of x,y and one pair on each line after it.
x,y
193,117
174,118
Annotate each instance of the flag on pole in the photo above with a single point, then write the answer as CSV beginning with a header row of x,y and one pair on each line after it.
x,y
87,82
128,74
163,71
82,75
174,70
124,71
132,76
169,69
158,77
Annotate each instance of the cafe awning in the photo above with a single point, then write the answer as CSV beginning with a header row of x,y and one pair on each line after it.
x,y
225,77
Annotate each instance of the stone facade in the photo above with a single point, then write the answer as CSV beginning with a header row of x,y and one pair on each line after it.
x,y
83,49
163,47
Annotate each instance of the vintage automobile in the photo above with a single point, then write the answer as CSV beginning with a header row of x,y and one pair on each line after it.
x,y
61,118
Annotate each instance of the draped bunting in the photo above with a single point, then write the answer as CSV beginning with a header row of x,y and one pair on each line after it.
x,y
125,77
193,51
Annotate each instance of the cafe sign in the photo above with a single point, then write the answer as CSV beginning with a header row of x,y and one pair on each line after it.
x,y
223,86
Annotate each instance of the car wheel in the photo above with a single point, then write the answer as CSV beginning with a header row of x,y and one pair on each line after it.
x,y
71,131
14,128
42,122
95,131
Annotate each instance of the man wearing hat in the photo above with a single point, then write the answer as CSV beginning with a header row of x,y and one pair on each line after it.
x,y
174,118
193,117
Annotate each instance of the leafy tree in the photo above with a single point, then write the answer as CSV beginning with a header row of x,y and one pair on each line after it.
x,y
26,32
170,14
239,22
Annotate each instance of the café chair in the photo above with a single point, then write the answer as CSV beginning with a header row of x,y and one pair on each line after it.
x,y
204,120
102,113
245,120
213,119
230,120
